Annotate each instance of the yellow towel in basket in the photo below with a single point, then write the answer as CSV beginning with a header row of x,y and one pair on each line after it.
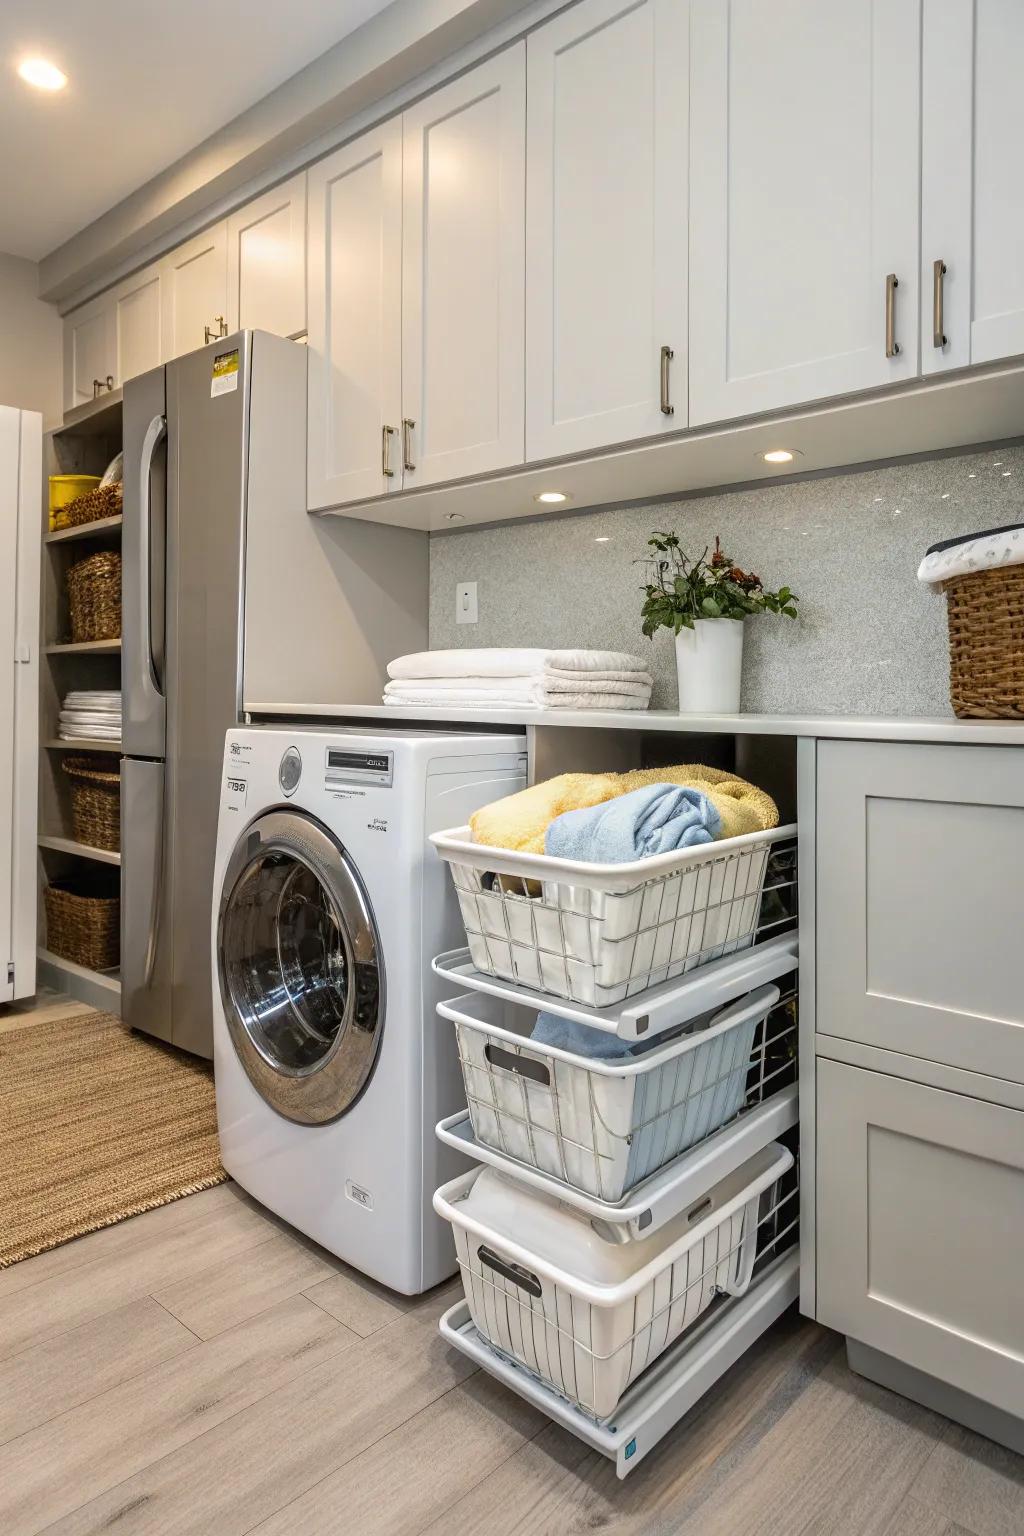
x,y
520,821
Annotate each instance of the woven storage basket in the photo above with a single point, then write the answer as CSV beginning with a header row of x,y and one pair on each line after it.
x,y
986,643
94,596
82,927
95,802
103,501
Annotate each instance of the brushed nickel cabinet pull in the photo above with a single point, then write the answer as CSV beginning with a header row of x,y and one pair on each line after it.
x,y
385,452
99,385
892,346
215,335
667,408
407,426
939,337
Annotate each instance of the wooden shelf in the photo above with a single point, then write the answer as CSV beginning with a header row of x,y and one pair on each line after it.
x,y
80,850
85,648
100,525
83,744
102,989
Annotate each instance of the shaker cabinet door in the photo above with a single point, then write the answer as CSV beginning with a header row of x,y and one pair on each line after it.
x,y
267,262
138,320
972,204
920,1228
606,164
90,352
355,320
463,273
195,292
804,201
919,890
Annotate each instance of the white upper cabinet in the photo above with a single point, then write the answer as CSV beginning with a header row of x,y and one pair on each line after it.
x,y
463,274
804,201
606,203
138,324
267,262
355,320
972,193
90,351
195,292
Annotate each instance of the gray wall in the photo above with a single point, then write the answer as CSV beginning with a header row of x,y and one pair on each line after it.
x,y
870,640
30,349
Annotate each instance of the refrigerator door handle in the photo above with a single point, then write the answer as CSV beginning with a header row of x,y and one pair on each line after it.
x,y
146,680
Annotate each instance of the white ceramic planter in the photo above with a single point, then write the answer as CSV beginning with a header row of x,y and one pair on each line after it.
x,y
709,665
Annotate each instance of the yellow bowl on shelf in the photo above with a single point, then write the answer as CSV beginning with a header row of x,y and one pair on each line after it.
x,y
65,488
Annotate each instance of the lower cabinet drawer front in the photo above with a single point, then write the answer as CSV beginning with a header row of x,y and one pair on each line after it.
x,y
920,1228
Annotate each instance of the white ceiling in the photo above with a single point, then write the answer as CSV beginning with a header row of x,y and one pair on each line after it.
x,y
146,83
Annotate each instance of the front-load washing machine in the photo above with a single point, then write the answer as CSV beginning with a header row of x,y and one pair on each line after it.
x,y
332,1068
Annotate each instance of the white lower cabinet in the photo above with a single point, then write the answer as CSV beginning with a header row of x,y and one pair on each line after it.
x,y
266,243
804,201
355,320
195,292
463,272
920,1228
606,228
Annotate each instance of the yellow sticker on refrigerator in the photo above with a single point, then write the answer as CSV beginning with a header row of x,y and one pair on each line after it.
x,y
225,373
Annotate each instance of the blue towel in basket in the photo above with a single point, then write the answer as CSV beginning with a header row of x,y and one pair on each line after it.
x,y
567,1035
656,819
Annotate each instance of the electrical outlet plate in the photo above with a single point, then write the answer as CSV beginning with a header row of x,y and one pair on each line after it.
x,y
466,603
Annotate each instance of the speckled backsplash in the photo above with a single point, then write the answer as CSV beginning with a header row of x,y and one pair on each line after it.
x,y
870,639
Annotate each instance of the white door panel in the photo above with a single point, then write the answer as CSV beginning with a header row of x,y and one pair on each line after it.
x,y
138,318
606,224
804,197
463,274
195,292
355,341
89,351
267,262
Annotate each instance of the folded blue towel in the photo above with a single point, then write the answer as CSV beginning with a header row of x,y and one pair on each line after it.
x,y
567,1035
655,819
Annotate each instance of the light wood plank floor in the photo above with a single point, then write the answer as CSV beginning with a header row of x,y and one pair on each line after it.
x,y
203,1369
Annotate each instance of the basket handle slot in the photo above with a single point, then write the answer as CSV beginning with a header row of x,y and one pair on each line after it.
x,y
700,1209
525,1280
522,1066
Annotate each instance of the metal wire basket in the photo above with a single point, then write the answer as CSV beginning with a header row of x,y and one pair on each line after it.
x,y
597,934
602,1126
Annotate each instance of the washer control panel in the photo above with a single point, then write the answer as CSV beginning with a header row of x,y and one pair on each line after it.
x,y
290,770
344,766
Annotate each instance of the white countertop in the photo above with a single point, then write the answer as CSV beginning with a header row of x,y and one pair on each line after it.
x,y
839,727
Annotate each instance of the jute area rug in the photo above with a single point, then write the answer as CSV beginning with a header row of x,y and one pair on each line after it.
x,y
96,1124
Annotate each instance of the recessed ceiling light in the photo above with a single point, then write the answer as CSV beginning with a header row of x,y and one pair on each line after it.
x,y
42,74
550,498
778,456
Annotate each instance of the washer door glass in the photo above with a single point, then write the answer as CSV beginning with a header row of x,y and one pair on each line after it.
x,y
300,969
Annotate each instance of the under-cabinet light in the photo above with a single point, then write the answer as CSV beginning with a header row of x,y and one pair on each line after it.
x,y
552,497
778,456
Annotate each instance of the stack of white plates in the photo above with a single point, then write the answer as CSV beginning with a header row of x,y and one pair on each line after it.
x,y
90,714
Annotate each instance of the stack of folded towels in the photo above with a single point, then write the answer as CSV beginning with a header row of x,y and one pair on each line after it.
x,y
90,714
496,678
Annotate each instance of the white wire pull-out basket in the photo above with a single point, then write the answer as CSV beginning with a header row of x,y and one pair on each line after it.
x,y
598,933
602,1126
588,1316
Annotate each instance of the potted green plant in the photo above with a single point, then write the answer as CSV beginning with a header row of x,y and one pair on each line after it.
x,y
704,602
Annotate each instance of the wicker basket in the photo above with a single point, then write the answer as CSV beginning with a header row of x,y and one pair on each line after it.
x,y
986,643
95,802
94,596
103,501
83,927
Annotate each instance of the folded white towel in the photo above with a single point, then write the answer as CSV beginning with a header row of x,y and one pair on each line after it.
x,y
526,688
89,732
496,661
471,700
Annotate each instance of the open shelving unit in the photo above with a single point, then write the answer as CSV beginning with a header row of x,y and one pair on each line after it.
x,y
85,444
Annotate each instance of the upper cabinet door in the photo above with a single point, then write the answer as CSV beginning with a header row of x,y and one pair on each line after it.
x,y
195,292
89,351
972,207
606,225
267,262
138,323
804,201
463,274
355,320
